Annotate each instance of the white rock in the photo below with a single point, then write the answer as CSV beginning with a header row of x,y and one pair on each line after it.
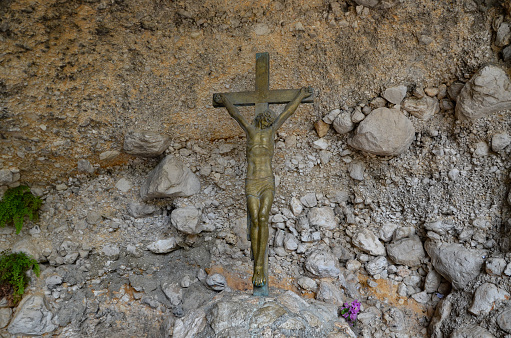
x,y
111,251
322,264
330,117
423,108
356,170
32,317
481,149
329,293
384,132
500,141
406,251
186,220
366,241
485,297
173,292
290,242
387,231
145,143
377,265
108,155
321,144
5,316
323,217
123,185
296,206
309,200
6,176
487,92
307,283
216,282
342,123
395,94
163,245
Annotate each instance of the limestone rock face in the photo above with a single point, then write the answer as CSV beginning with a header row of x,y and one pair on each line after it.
x,y
32,317
145,143
384,132
170,178
456,263
487,92
241,315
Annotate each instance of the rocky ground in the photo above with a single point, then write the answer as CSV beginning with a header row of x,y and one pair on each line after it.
x,y
392,189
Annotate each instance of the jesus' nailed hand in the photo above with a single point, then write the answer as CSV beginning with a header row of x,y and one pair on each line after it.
x,y
260,182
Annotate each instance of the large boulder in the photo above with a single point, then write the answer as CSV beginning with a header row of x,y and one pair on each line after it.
x,y
170,178
145,143
454,262
385,132
32,317
487,92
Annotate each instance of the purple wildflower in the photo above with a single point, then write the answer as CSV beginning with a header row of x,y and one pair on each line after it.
x,y
350,311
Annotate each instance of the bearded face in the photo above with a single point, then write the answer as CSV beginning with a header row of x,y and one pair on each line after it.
x,y
265,119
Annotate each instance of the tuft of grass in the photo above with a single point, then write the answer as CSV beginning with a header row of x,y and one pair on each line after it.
x,y
17,203
13,272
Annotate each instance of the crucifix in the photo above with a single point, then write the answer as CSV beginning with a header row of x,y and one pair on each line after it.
x,y
260,182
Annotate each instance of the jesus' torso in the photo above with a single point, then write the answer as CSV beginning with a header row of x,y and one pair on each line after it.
x,y
260,149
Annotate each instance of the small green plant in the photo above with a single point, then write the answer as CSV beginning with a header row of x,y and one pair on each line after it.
x,y
13,268
17,203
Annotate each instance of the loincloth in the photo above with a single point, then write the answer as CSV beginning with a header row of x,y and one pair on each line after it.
x,y
257,186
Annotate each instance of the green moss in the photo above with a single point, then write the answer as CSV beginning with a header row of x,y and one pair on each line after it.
x,y
13,268
17,203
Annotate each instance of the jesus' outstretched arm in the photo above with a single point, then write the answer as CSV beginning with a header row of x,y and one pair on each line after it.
x,y
233,111
291,106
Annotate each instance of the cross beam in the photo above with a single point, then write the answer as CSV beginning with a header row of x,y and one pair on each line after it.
x,y
262,96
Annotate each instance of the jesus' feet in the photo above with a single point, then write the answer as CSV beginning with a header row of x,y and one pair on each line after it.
x,y
259,279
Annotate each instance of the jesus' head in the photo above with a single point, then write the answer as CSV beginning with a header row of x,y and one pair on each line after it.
x,y
265,119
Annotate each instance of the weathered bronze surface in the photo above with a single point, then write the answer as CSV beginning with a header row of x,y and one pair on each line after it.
x,y
260,182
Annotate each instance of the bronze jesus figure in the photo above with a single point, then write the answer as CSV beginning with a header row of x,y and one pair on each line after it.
x,y
260,182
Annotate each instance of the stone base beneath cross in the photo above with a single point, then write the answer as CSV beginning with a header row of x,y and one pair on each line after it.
x,y
237,314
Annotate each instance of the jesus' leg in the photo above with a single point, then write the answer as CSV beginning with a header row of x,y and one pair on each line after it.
x,y
253,210
266,201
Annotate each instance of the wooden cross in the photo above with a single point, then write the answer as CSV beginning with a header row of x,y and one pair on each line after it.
x,y
262,96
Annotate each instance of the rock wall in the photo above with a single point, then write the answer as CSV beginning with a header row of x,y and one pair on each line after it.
x,y
392,188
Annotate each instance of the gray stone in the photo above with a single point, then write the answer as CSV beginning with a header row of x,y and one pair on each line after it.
x,y
329,293
187,220
145,143
124,185
487,92
111,251
216,282
296,206
442,312
85,166
454,262
503,37
139,210
495,266
163,246
504,320
108,155
53,281
5,316
506,54
307,283
376,265
173,292
239,227
322,263
143,283
406,251
322,217
6,177
266,315
170,178
485,297
384,132
395,94
32,317
290,242
500,141
357,115
356,170
342,123
386,231
440,227
330,117
366,241
507,271
395,319
93,218
190,325
423,108
421,297
309,200
471,331
368,3
432,281
481,149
